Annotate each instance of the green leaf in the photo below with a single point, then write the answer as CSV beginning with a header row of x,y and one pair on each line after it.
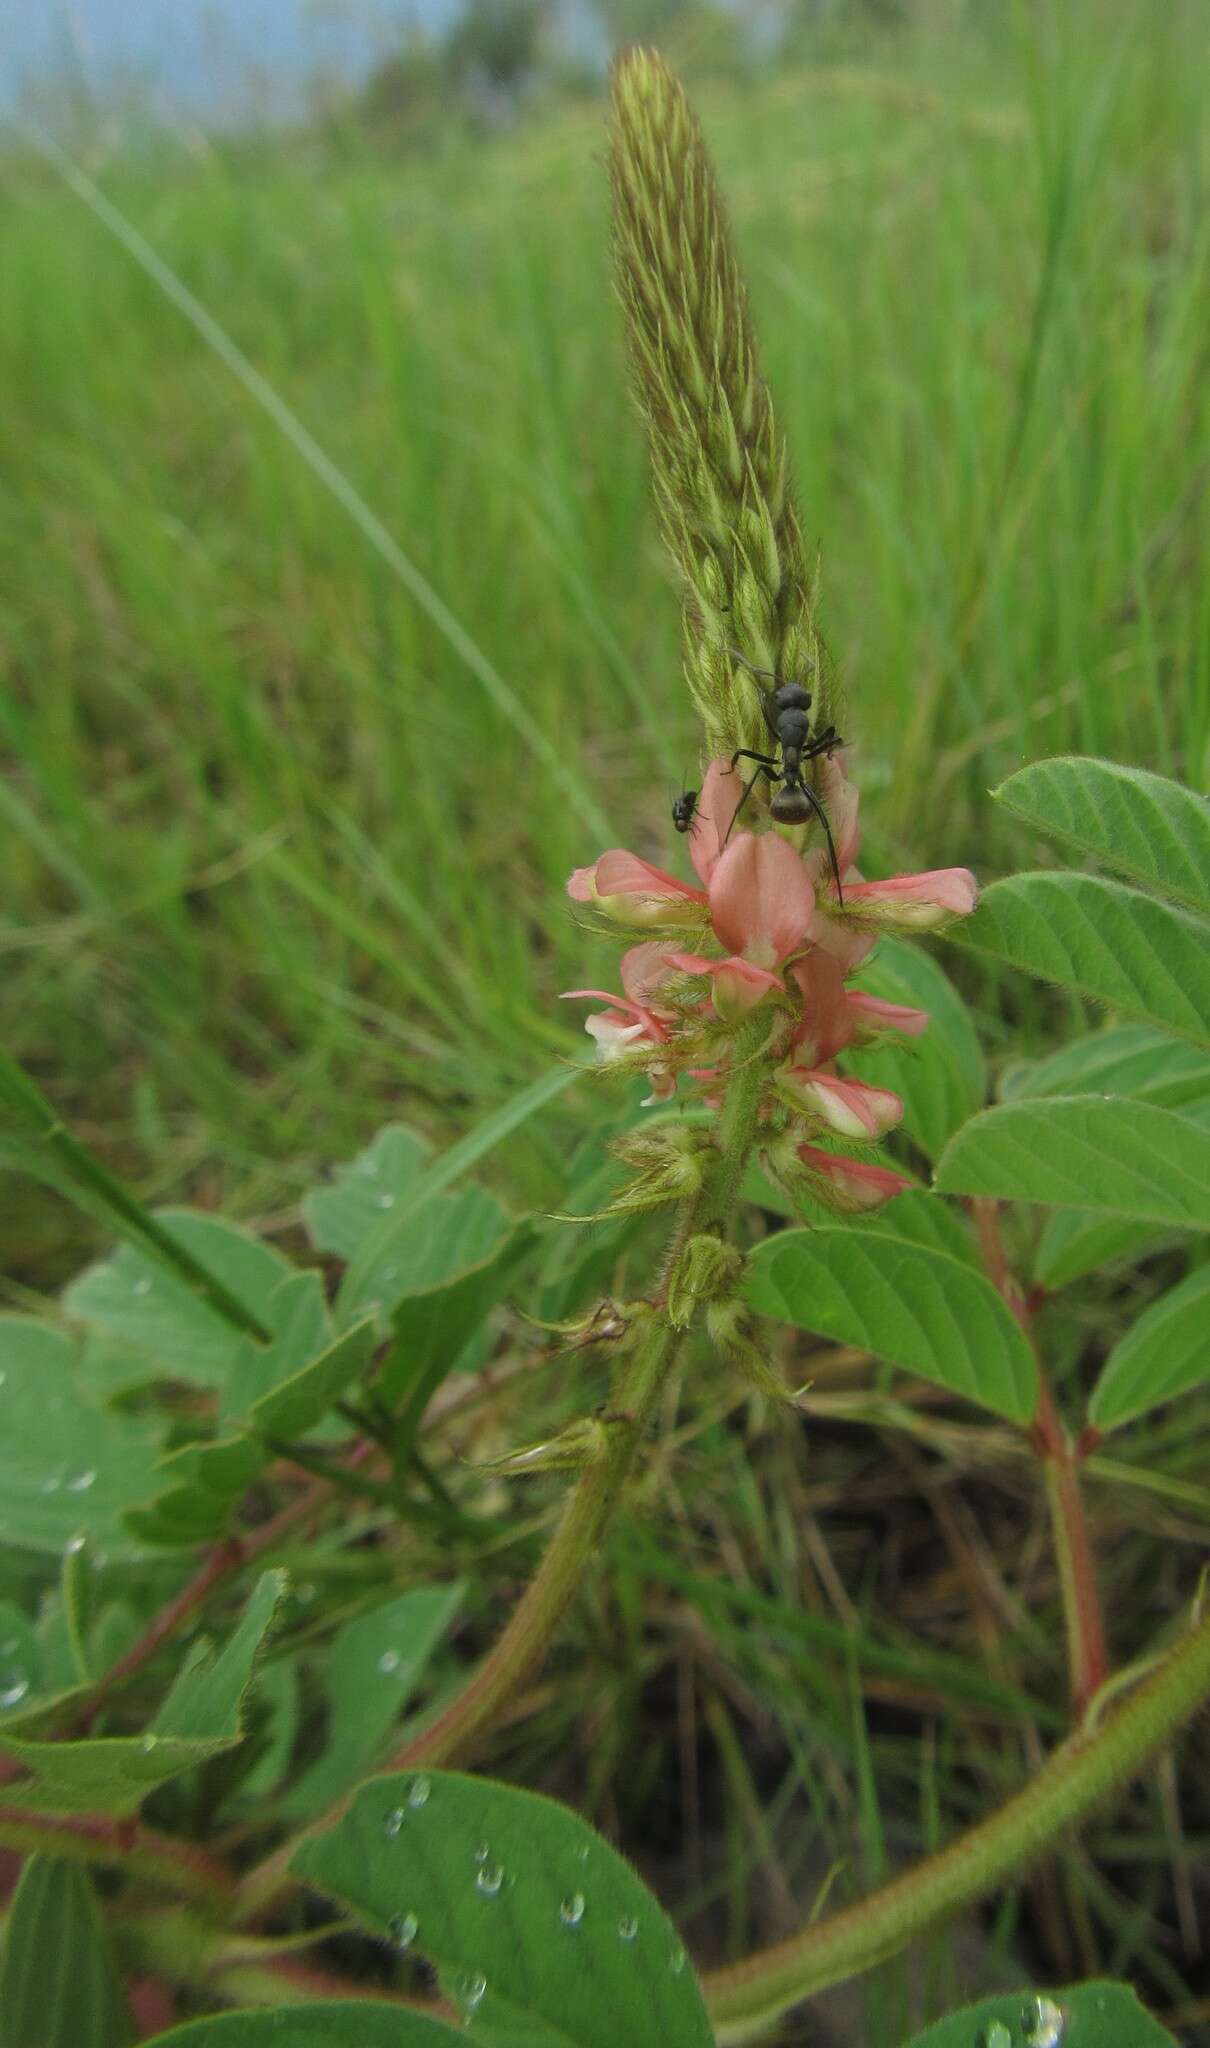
x,y
200,1718
297,1316
1163,1354
341,1216
1126,1059
941,1076
209,1478
132,1298
433,1323
436,1243
20,1661
47,1149
1086,1152
299,1403
59,1984
1103,940
324,2023
276,1694
1140,824
919,1217
919,1309
525,1910
67,1466
372,1670
388,1241
1074,1242
1092,2015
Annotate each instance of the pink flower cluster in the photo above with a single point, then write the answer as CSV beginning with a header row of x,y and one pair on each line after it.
x,y
786,941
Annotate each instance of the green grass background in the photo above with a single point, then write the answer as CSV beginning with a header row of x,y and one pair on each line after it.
x,y
278,865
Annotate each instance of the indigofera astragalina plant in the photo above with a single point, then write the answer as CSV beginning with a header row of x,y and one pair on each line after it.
x,y
207,1414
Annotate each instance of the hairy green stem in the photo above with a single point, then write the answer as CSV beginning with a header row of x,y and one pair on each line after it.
x,y
1086,1767
576,1541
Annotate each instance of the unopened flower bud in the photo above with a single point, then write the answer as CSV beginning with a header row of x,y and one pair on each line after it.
x,y
707,1271
574,1449
729,1326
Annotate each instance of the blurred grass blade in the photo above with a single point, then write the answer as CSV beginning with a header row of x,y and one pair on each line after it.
x,y
57,1156
258,387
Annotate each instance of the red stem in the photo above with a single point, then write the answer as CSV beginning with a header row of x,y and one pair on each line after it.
x,y
1088,1658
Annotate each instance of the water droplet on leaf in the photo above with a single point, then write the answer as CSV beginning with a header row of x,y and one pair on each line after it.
x,y
392,1821
1043,2022
471,1988
628,1927
489,1879
571,1912
418,1796
996,2036
13,1688
676,1961
81,1481
482,1852
386,1201
388,1662
142,1286
403,1929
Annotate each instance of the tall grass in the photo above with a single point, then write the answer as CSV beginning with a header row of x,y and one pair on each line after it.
x,y
279,865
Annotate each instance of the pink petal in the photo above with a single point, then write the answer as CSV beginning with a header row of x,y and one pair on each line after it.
x,y
840,800
597,995
644,968
692,963
623,874
853,1109
738,985
720,793
582,884
870,1016
827,1019
916,901
761,898
853,1183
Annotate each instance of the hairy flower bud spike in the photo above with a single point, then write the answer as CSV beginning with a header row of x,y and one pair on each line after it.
x,y
718,459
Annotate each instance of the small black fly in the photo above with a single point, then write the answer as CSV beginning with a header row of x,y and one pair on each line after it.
x,y
684,810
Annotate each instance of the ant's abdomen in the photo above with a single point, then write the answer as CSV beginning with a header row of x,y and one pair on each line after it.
x,y
791,806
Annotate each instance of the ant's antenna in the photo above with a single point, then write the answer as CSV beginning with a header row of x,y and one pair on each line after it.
x,y
771,673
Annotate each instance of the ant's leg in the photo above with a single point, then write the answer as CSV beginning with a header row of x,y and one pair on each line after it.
x,y
823,743
763,767
822,815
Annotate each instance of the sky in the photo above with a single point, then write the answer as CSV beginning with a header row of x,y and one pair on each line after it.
x,y
201,56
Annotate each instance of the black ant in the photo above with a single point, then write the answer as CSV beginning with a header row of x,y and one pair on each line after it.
x,y
787,709
684,810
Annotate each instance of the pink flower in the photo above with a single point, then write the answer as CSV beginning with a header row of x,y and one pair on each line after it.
x,y
761,903
853,1109
634,892
851,1184
632,1019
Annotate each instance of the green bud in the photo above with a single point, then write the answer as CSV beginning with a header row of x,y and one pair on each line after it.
x,y
729,1326
707,1271
580,1445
